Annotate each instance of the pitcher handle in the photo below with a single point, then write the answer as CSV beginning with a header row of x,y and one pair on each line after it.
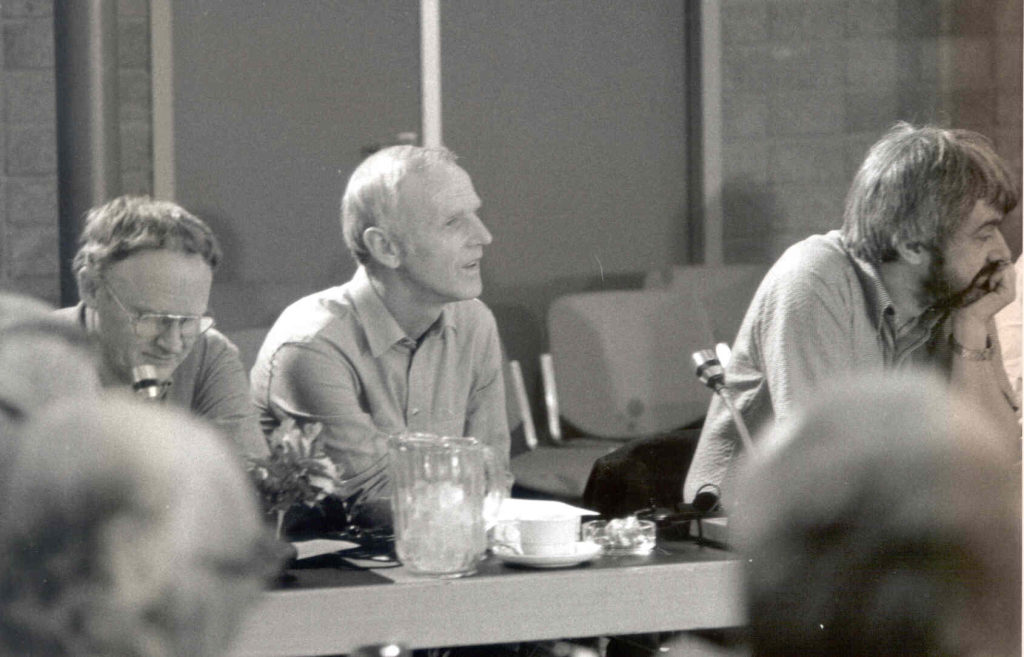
x,y
499,485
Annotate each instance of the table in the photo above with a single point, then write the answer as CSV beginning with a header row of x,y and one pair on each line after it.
x,y
327,611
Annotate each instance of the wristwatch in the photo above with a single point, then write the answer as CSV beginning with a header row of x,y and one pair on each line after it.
x,y
971,354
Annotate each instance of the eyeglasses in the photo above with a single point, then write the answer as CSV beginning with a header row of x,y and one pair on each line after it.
x,y
150,325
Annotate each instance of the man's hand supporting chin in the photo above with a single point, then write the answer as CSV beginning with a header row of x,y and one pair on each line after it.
x,y
977,370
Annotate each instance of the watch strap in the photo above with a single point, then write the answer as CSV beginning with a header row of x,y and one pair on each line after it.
x,y
971,354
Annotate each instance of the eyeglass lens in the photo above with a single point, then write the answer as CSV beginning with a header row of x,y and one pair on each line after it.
x,y
152,325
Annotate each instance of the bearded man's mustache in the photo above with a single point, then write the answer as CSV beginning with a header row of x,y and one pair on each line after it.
x,y
979,286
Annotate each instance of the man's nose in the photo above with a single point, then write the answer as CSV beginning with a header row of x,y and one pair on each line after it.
x,y
171,338
1002,249
481,235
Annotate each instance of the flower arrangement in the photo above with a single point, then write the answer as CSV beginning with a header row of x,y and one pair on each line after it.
x,y
297,471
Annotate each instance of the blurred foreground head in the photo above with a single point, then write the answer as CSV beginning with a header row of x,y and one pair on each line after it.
x,y
42,359
884,521
125,530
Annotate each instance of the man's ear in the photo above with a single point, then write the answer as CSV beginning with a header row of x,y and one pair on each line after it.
x,y
382,247
88,286
912,252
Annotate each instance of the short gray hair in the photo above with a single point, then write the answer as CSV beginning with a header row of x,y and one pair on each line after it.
x,y
884,513
918,185
129,224
123,464
371,196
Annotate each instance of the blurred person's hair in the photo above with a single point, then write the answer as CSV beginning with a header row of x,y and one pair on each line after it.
x,y
42,358
129,224
16,307
371,196
126,530
885,520
918,184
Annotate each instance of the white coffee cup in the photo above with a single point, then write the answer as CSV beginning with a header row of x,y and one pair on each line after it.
x,y
540,536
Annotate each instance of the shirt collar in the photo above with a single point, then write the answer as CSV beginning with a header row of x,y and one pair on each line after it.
x,y
381,328
879,302
877,297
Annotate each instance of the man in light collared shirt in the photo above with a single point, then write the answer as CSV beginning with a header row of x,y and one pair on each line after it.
x,y
405,345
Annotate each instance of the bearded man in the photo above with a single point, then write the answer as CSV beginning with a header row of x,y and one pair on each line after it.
x,y
911,280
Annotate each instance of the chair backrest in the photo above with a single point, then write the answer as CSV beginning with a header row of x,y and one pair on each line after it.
x,y
622,361
723,292
622,358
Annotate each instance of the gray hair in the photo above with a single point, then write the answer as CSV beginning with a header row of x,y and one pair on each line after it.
x,y
918,185
883,520
128,224
371,196
43,358
123,470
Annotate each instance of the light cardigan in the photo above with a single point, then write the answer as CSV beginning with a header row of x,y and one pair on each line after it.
x,y
820,313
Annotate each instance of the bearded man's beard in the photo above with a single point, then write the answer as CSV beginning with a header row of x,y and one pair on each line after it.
x,y
939,292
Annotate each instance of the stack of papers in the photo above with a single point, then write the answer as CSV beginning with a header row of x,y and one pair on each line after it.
x,y
318,546
512,508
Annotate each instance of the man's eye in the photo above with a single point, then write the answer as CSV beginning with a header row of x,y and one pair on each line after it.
x,y
452,221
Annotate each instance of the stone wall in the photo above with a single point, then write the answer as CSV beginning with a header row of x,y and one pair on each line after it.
x,y
808,86
28,149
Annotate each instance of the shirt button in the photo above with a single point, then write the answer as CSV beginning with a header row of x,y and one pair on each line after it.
x,y
414,411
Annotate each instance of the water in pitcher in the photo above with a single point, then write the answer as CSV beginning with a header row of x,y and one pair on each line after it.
x,y
442,533
443,490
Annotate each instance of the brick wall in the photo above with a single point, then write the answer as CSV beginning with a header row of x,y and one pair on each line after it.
x,y
808,86
28,149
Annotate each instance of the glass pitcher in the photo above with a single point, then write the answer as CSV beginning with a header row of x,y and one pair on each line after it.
x,y
445,491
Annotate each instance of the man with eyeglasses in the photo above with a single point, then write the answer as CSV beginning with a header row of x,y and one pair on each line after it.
x,y
144,272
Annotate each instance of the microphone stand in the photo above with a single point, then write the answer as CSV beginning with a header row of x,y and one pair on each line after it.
x,y
705,503
712,374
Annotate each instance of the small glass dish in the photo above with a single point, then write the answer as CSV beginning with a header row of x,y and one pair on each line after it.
x,y
618,536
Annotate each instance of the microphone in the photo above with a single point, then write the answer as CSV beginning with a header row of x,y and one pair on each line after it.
x,y
146,384
712,374
709,369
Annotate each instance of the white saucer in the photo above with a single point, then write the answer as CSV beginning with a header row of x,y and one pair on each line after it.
x,y
583,551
